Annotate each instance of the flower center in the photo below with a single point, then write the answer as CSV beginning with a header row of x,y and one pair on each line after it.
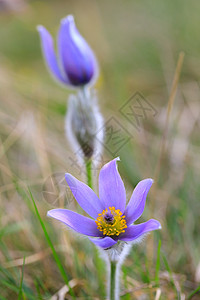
x,y
111,221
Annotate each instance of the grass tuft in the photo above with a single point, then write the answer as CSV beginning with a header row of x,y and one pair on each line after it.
x,y
158,264
55,255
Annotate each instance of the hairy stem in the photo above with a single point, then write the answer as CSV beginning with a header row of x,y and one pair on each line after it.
x,y
113,288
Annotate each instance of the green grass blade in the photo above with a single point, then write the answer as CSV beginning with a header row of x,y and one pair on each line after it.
x,y
158,264
7,275
170,275
38,290
55,255
12,228
197,290
9,285
20,295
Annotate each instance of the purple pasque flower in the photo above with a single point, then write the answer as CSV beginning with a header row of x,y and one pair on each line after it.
x,y
76,64
112,220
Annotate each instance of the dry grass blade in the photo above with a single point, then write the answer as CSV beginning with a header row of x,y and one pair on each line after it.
x,y
158,294
61,294
32,258
169,109
150,249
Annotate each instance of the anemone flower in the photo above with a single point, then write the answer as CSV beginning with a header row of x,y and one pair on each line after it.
x,y
111,220
76,64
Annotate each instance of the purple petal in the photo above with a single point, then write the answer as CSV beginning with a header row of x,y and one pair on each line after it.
x,y
49,54
136,204
85,196
133,232
75,221
111,187
104,243
77,58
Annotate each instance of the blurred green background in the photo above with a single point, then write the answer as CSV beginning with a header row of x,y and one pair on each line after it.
x,y
137,44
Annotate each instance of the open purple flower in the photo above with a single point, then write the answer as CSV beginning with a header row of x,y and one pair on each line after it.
x,y
111,219
76,64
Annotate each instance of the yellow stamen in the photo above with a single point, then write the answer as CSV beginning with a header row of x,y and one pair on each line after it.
x,y
114,226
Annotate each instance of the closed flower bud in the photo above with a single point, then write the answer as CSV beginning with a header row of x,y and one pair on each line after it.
x,y
84,125
76,65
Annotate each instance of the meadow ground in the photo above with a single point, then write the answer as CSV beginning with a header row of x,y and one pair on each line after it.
x,y
138,45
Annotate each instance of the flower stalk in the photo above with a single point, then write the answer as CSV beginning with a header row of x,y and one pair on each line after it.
x,y
113,295
88,166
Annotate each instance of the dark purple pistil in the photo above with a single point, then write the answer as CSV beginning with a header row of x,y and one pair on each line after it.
x,y
109,218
